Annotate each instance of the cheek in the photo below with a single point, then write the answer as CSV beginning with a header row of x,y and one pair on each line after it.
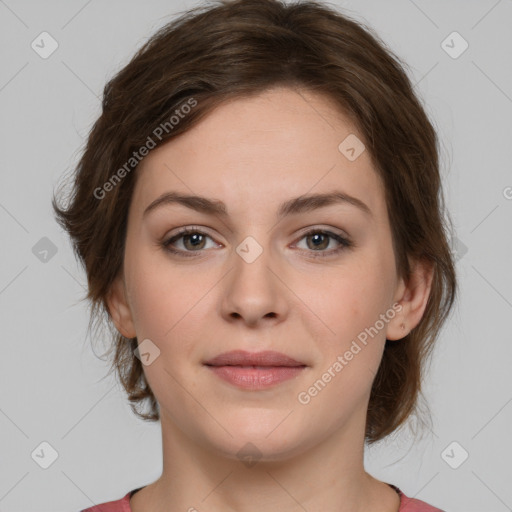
x,y
151,308
350,303
168,307
166,310
156,294
349,299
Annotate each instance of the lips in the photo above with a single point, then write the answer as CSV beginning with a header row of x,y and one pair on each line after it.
x,y
267,358
254,371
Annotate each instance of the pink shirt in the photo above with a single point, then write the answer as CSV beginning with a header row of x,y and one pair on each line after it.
x,y
123,505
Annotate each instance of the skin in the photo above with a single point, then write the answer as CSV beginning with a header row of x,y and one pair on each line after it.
x,y
254,154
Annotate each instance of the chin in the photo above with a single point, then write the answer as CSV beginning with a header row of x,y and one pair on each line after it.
x,y
256,438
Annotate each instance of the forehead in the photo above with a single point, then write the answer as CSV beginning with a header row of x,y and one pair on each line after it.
x,y
263,149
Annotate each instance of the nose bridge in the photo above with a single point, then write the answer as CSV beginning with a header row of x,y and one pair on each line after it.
x,y
252,260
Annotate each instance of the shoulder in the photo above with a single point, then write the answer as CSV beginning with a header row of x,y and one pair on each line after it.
x,y
119,505
413,505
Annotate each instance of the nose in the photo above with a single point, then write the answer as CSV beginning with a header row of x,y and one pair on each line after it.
x,y
254,292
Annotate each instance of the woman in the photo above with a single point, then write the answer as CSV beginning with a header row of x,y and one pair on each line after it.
x,y
259,213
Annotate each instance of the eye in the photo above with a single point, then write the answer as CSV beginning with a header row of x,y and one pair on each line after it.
x,y
320,240
193,241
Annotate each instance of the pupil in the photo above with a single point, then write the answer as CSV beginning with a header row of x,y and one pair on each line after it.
x,y
317,237
195,239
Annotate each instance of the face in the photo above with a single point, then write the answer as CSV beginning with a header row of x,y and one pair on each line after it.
x,y
309,283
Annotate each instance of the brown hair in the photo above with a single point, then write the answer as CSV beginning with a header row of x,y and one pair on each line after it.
x,y
234,49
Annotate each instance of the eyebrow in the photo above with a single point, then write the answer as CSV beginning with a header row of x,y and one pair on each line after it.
x,y
301,204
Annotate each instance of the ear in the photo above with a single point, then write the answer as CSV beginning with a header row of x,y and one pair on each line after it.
x,y
119,308
413,297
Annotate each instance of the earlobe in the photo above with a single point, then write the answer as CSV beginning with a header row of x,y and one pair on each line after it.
x,y
412,297
119,309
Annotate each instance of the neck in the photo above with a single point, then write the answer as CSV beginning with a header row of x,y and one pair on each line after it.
x,y
328,476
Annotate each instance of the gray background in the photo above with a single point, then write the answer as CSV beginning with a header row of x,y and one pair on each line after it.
x,y
53,386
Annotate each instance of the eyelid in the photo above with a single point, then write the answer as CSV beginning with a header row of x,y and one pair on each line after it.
x,y
305,230
324,227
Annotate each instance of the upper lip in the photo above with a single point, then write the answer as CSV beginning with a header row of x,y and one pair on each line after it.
x,y
244,358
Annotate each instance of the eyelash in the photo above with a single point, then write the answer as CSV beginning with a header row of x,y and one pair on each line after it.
x,y
344,243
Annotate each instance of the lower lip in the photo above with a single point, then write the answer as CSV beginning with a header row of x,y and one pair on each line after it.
x,y
256,378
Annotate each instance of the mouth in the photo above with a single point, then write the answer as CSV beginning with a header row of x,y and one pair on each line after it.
x,y
255,370
267,358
